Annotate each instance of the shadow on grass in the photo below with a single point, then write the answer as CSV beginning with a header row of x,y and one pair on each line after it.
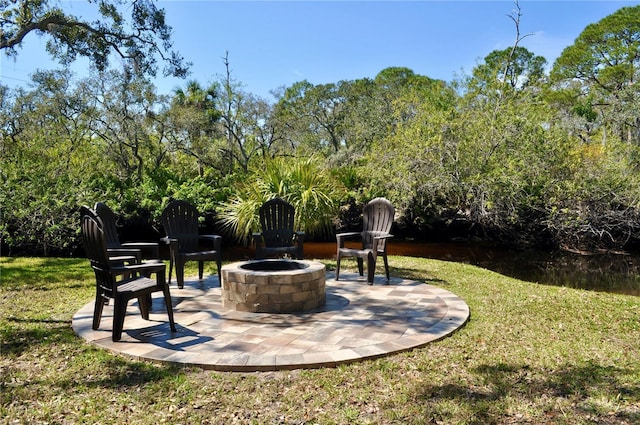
x,y
417,275
120,373
19,320
581,386
87,366
19,340
69,285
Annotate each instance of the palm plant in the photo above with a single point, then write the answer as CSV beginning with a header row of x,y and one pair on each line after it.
x,y
302,182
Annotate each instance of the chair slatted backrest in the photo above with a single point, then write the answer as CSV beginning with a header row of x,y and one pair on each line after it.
x,y
180,221
277,219
95,248
109,222
377,219
85,210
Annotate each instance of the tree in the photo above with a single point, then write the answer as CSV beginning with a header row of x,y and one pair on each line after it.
x,y
194,119
605,64
47,164
517,67
124,126
605,54
139,41
413,159
396,85
247,123
314,116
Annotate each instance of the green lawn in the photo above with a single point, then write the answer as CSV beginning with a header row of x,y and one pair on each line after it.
x,y
530,354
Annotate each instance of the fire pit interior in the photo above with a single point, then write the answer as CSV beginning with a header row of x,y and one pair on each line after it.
x,y
273,265
273,286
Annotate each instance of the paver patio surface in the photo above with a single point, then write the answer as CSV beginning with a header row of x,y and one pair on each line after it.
x,y
358,322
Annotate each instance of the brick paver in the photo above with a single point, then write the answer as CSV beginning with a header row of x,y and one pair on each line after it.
x,y
358,322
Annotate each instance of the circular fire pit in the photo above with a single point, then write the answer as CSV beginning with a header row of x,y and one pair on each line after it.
x,y
273,286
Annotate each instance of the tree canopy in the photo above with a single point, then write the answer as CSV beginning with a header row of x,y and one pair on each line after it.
x,y
606,53
504,154
517,67
597,76
139,40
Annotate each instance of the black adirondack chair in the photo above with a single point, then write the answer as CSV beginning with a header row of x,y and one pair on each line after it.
x,y
120,282
377,218
146,250
180,221
278,237
117,255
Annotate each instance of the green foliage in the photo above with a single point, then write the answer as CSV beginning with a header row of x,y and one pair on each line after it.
x,y
40,206
141,40
201,192
503,150
604,61
303,182
315,116
44,165
596,207
517,67
408,163
194,119
605,54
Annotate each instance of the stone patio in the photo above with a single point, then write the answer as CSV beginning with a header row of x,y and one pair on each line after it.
x,y
358,322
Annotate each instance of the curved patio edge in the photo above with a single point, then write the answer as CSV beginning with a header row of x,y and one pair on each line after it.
x,y
358,322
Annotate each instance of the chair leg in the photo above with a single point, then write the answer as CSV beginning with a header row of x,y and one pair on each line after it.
x,y
259,251
337,266
119,311
97,311
180,274
170,270
143,302
386,265
371,267
299,253
360,267
200,269
219,264
169,307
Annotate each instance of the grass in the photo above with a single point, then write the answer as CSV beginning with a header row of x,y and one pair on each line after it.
x,y
530,354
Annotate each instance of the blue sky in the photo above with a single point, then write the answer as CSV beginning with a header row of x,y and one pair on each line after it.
x,y
273,44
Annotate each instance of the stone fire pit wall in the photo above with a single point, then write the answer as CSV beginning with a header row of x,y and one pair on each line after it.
x,y
273,286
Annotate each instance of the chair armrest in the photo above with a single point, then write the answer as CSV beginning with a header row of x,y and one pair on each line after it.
x,y
169,241
135,252
378,238
139,244
342,237
123,254
348,235
123,259
300,236
216,239
151,267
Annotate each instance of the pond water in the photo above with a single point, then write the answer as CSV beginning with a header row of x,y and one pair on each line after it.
x,y
616,273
